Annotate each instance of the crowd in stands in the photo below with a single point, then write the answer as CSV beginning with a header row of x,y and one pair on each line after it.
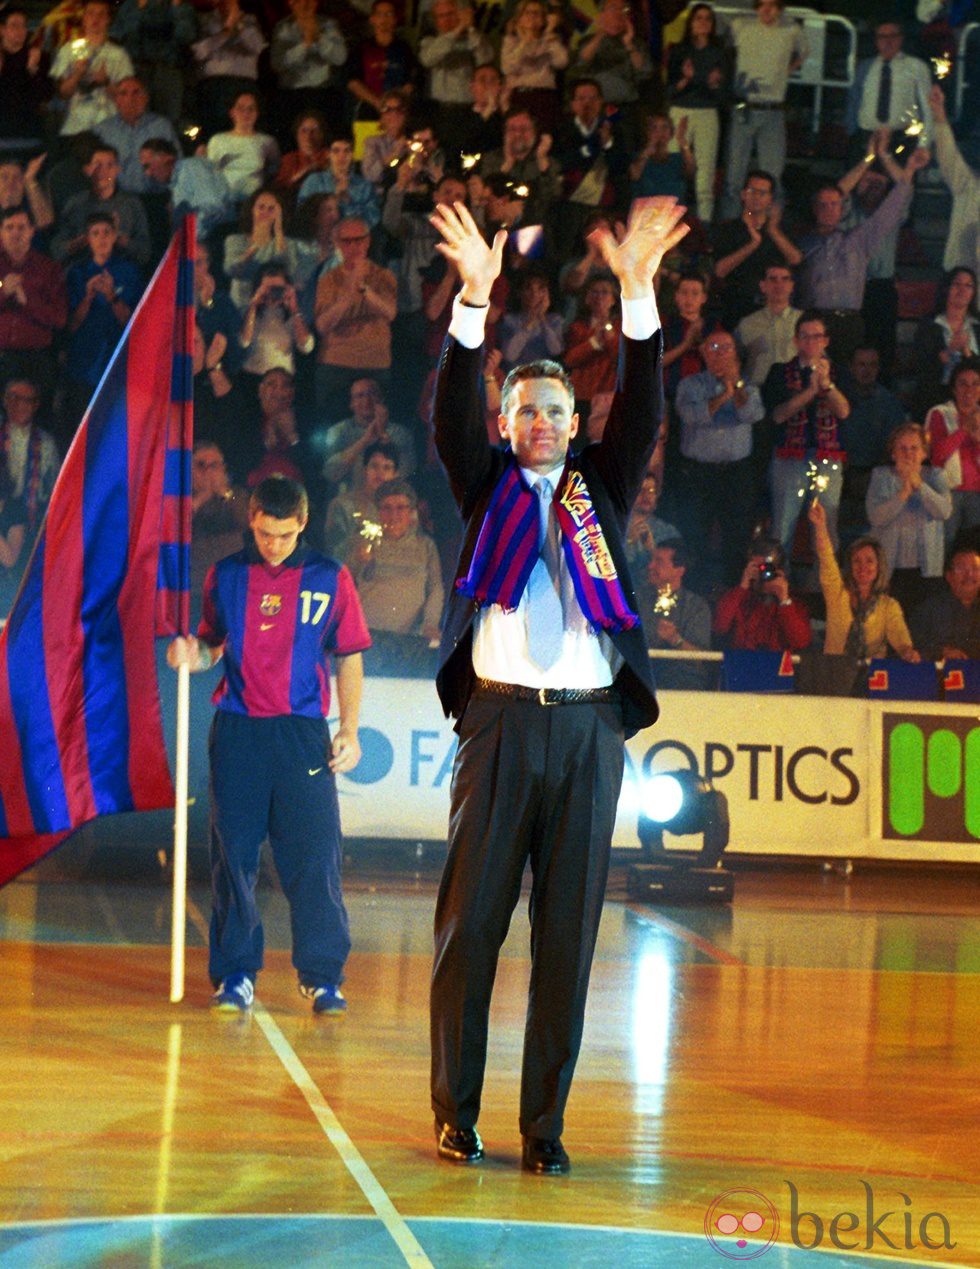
x,y
796,499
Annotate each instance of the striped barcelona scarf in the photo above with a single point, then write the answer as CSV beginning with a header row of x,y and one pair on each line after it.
x,y
796,442
507,550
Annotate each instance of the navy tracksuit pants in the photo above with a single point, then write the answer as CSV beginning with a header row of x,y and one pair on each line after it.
x,y
270,778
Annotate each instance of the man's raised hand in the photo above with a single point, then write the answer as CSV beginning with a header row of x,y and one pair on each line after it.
x,y
655,226
462,243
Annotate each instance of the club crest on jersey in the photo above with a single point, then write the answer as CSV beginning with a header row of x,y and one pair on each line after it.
x,y
271,605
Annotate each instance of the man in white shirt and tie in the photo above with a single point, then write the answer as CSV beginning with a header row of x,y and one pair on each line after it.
x,y
544,665
889,91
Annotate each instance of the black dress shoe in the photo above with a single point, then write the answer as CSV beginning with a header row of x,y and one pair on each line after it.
x,y
458,1145
544,1156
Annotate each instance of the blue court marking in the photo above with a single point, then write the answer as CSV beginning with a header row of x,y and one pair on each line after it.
x,y
361,1242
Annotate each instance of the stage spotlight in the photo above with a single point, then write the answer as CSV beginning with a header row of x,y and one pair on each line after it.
x,y
663,797
683,804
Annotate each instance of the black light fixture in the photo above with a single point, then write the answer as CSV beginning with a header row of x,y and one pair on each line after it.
x,y
682,803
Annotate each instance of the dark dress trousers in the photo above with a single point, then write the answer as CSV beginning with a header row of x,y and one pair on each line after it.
x,y
530,780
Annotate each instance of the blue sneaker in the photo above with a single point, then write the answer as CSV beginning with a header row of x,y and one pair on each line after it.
x,y
234,995
325,996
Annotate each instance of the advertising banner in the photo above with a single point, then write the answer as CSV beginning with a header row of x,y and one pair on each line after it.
x,y
803,775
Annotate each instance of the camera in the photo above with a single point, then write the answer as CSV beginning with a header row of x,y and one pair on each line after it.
x,y
769,568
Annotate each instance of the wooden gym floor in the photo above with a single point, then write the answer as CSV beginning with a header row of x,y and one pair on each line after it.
x,y
810,1055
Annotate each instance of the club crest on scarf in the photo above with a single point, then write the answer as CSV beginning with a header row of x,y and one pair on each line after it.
x,y
588,539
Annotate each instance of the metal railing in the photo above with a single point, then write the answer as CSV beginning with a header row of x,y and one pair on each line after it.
x,y
817,72
960,70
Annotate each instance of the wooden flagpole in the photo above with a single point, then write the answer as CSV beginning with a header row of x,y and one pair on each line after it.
x,y
179,902
184,344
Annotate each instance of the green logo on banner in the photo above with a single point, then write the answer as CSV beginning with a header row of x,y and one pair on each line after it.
x,y
931,780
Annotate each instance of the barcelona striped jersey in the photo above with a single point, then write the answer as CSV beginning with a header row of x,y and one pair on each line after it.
x,y
279,627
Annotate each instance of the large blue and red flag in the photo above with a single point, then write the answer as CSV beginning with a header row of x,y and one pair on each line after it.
x,y
80,725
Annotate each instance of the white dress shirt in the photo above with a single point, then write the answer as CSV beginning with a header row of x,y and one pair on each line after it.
x,y
909,98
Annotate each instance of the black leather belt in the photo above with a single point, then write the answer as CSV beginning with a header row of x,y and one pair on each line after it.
x,y
547,695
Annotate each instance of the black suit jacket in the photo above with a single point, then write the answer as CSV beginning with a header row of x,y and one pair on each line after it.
x,y
613,470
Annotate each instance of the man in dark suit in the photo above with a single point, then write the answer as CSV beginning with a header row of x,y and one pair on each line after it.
x,y
544,664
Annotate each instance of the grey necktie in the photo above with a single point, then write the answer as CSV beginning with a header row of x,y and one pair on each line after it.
x,y
544,607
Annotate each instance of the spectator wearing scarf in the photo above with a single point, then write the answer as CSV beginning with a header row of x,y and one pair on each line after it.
x,y
863,620
27,451
806,407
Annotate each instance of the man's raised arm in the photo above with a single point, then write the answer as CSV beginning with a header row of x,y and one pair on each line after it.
x,y
634,254
458,412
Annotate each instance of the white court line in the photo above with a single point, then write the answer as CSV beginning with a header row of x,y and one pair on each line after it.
x,y
191,1218
351,1157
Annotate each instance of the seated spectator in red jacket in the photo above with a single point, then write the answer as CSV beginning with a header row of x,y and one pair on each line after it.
x,y
954,440
33,300
759,613
311,153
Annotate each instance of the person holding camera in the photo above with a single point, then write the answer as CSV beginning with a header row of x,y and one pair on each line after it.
x,y
263,240
274,329
759,614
